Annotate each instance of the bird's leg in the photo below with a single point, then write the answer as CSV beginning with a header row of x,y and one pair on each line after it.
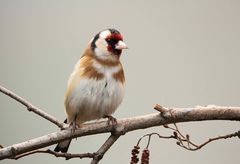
x,y
74,125
111,120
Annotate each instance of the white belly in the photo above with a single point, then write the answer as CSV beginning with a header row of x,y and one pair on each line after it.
x,y
93,99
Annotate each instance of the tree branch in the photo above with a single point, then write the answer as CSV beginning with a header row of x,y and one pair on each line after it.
x,y
67,156
166,116
95,156
31,108
104,148
126,125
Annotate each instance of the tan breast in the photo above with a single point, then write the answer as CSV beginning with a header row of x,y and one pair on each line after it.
x,y
87,69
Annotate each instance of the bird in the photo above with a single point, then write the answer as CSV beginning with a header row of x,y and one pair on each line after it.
x,y
96,86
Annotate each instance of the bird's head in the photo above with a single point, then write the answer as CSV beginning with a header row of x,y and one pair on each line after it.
x,y
108,45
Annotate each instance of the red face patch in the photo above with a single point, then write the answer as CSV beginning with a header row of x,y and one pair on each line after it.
x,y
115,37
112,40
110,49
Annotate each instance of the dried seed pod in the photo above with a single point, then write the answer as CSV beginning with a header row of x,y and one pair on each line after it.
x,y
145,156
135,152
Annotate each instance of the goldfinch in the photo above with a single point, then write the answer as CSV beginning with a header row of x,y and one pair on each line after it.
x,y
96,86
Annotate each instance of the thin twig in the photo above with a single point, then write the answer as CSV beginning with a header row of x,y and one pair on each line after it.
x,y
182,139
236,134
104,148
150,134
175,125
56,154
31,107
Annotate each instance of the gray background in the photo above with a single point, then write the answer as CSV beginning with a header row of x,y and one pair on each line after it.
x,y
182,54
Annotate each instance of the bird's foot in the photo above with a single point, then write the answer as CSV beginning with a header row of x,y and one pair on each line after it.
x,y
111,120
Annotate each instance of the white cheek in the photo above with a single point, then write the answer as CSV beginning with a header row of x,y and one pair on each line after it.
x,y
101,49
101,45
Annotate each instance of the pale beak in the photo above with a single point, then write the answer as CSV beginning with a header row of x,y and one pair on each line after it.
x,y
121,45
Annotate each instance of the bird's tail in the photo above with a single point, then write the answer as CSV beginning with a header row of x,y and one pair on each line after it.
x,y
64,145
